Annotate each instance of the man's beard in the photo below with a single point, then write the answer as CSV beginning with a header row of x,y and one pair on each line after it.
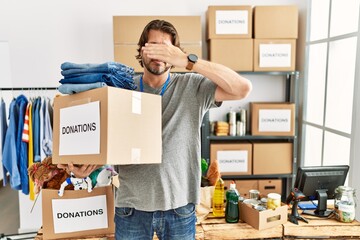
x,y
156,70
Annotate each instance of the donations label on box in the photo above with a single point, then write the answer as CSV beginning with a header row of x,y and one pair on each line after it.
x,y
231,22
233,161
80,129
274,55
70,215
274,120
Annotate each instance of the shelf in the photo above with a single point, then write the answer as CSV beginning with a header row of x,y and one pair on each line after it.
x,y
248,137
270,73
267,176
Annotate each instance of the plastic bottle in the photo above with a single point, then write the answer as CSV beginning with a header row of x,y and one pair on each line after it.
x,y
218,199
232,207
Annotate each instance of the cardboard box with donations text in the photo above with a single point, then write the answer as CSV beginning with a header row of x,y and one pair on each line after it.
x,y
78,213
107,126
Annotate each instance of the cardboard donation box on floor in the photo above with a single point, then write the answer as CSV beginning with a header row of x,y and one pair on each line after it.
x,y
263,219
77,213
107,126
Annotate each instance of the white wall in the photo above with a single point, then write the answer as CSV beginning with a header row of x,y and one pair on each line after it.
x,y
41,34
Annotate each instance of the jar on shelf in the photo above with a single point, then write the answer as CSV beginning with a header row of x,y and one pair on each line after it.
x,y
345,204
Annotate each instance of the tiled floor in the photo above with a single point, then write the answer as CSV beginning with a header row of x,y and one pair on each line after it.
x,y
9,210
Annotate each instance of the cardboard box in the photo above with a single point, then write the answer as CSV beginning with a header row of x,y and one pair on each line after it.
x,y
263,219
243,186
107,126
276,21
272,158
77,213
267,186
229,22
274,55
234,159
125,53
236,54
272,118
127,29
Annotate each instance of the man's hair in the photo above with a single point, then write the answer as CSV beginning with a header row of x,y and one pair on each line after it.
x,y
162,26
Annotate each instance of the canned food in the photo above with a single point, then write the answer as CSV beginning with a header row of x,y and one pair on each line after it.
x,y
273,201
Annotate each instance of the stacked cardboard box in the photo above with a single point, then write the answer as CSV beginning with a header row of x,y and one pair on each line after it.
x,y
264,186
102,126
233,158
229,34
275,34
127,31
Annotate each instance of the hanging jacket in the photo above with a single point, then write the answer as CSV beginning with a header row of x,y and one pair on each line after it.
x,y
21,147
9,152
3,128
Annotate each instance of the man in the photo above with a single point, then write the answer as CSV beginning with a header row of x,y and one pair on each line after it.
x,y
161,198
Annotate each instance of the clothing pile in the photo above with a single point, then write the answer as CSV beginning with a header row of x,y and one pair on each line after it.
x,y
83,77
26,139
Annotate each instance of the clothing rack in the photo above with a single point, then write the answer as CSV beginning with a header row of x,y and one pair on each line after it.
x,y
28,88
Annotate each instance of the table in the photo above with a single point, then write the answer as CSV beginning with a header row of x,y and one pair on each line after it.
x,y
217,229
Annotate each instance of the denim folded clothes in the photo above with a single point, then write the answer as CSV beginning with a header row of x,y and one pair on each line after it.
x,y
108,79
100,66
71,88
111,73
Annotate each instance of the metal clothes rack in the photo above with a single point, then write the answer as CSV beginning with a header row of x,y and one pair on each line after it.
x,y
28,88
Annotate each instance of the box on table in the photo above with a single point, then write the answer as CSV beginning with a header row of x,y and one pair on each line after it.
x,y
107,126
276,21
272,118
263,219
127,31
236,54
229,22
272,158
274,55
77,213
243,186
234,159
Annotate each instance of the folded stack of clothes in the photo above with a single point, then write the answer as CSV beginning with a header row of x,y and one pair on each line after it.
x,y
83,77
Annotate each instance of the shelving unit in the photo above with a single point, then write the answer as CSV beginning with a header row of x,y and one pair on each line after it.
x,y
291,95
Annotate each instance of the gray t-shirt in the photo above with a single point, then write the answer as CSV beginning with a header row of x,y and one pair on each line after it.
x,y
174,182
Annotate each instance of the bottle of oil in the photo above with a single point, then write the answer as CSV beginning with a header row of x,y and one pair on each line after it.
x,y
218,199
232,204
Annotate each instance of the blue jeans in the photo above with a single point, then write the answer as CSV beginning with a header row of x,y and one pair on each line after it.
x,y
110,80
174,224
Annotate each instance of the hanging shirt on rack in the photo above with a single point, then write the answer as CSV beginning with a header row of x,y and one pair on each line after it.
x,y
3,128
42,120
31,153
21,147
47,140
9,152
36,129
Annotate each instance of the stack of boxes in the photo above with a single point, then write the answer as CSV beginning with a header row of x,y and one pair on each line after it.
x,y
275,34
229,35
270,44
101,126
127,31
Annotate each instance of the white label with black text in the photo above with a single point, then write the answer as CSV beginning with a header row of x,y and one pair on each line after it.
x,y
80,129
233,160
80,214
231,22
274,120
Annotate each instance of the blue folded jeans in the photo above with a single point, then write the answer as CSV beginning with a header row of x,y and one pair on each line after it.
x,y
68,68
108,79
71,88
174,224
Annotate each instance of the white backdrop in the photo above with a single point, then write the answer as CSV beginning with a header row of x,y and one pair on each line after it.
x,y
36,36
